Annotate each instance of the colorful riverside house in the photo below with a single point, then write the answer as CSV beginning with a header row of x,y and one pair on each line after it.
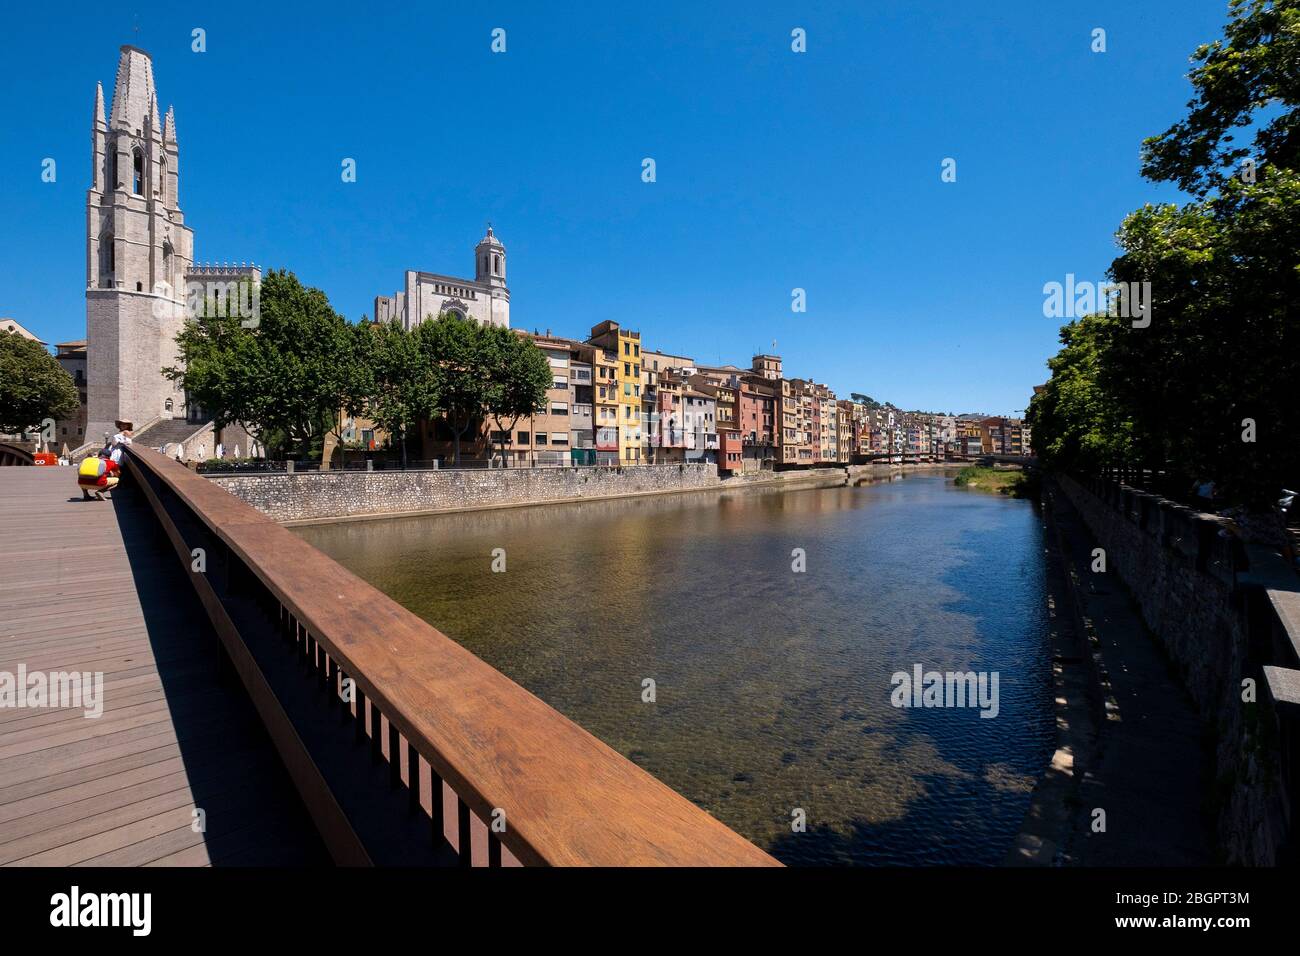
x,y
800,435
665,430
605,405
725,393
848,418
609,337
699,417
759,401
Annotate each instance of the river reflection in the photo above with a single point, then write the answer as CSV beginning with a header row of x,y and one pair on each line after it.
x,y
773,687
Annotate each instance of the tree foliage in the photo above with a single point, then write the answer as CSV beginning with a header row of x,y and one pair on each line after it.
x,y
33,385
518,376
285,379
302,370
1222,351
404,387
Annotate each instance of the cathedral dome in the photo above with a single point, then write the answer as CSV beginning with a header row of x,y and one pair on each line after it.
x,y
490,239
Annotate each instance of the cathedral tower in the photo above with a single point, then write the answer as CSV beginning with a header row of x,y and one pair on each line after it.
x,y
490,273
138,251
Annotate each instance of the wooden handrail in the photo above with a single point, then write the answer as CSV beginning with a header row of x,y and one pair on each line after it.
x,y
567,798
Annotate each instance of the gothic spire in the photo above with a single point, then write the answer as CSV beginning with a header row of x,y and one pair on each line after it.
x,y
169,126
100,120
133,92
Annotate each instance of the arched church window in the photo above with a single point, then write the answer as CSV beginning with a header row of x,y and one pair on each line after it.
x,y
165,187
496,263
168,404
107,259
137,173
112,169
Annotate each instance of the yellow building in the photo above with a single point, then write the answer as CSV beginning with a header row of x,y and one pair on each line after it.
x,y
625,345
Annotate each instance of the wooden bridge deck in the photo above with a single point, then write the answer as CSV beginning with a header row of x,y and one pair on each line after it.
x,y
85,586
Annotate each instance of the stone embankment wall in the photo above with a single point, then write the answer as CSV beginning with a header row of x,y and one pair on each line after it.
x,y
328,495
305,496
1228,615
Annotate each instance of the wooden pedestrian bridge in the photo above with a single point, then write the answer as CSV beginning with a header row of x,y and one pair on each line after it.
x,y
261,705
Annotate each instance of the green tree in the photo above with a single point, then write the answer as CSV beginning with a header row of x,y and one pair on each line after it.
x,y
1216,364
1075,423
33,386
404,383
286,379
1251,70
518,376
457,351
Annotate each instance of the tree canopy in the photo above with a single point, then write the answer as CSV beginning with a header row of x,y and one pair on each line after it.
x,y
33,385
518,377
298,372
1204,391
286,378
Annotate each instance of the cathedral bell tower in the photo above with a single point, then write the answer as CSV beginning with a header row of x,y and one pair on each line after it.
x,y
138,250
490,274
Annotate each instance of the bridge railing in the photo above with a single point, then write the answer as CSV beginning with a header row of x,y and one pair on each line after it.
x,y
505,762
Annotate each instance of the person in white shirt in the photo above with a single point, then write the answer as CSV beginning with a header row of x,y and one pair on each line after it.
x,y
120,441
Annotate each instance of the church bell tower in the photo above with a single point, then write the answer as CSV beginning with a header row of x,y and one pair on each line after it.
x,y
138,250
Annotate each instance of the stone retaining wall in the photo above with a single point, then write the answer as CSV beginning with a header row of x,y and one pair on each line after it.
x,y
1226,613
304,496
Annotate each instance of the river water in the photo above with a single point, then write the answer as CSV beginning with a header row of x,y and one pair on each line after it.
x,y
772,687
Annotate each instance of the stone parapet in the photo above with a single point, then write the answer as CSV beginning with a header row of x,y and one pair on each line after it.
x,y
1228,616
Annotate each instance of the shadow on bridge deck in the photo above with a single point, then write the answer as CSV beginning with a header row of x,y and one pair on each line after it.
x,y
89,586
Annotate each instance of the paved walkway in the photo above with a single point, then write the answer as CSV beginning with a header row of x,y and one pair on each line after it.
x,y
1148,768
87,586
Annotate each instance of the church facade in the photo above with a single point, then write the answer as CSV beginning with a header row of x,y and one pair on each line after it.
x,y
426,295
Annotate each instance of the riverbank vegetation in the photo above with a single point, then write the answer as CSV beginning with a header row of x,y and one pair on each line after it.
x,y
301,371
1202,385
1004,481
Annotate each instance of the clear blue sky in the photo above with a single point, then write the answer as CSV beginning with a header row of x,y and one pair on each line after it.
x,y
775,170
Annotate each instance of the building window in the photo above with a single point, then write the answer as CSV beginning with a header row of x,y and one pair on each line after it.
x,y
496,264
107,257
524,438
627,348
542,438
168,404
137,171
